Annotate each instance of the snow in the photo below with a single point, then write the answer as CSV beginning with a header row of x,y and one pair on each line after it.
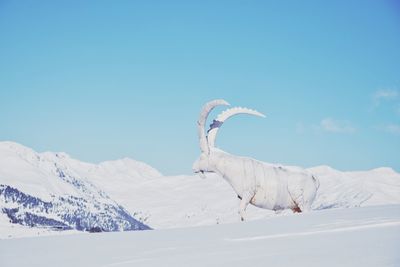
x,y
45,190
181,201
37,173
22,168
367,236
352,189
355,219
164,202
16,230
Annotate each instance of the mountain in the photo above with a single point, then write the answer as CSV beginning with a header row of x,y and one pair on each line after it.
x,y
41,190
356,188
126,194
182,201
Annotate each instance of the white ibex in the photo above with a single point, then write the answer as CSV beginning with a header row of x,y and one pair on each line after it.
x,y
261,184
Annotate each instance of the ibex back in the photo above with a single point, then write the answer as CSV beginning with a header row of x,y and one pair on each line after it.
x,y
261,184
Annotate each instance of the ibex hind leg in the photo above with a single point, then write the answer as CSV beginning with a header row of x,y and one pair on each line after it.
x,y
302,203
303,197
304,207
308,196
296,209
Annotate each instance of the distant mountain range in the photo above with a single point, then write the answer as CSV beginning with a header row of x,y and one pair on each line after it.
x,y
48,192
43,190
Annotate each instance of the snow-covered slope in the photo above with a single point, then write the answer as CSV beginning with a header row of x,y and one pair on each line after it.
x,y
180,201
169,201
368,236
41,190
353,189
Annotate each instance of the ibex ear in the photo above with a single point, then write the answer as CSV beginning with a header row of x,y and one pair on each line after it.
x,y
214,127
204,146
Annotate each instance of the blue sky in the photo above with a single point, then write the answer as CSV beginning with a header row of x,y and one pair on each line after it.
x,y
104,80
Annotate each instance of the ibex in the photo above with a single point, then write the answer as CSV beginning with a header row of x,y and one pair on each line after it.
x,y
264,185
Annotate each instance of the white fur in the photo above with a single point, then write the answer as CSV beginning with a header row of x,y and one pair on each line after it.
x,y
258,183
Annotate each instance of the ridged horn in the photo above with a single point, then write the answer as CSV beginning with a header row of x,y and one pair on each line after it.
x,y
204,146
217,123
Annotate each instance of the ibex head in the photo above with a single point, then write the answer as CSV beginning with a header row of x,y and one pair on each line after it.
x,y
207,142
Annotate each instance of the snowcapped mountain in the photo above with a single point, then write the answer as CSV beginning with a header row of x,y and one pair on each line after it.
x,y
42,190
181,201
54,190
356,188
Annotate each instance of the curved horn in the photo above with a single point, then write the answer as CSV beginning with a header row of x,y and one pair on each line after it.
x,y
202,121
214,127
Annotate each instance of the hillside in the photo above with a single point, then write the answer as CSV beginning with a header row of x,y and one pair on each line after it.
x,y
364,237
39,190
126,194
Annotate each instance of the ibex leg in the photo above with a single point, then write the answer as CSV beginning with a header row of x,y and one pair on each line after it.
x,y
246,198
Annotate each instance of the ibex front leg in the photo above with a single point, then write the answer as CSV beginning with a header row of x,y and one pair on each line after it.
x,y
244,202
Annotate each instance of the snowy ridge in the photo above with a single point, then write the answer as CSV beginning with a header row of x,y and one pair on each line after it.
x,y
182,201
116,195
42,190
354,189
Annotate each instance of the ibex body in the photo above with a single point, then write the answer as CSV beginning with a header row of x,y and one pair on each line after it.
x,y
261,184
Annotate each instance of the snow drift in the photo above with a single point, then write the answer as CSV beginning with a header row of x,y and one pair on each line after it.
x,y
367,236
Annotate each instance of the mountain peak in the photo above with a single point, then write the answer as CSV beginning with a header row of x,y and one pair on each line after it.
x,y
322,169
384,170
10,145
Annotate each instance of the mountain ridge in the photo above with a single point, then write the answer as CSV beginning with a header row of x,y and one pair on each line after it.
x,y
169,201
42,190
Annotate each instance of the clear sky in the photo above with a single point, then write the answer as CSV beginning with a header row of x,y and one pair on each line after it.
x,y
103,80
